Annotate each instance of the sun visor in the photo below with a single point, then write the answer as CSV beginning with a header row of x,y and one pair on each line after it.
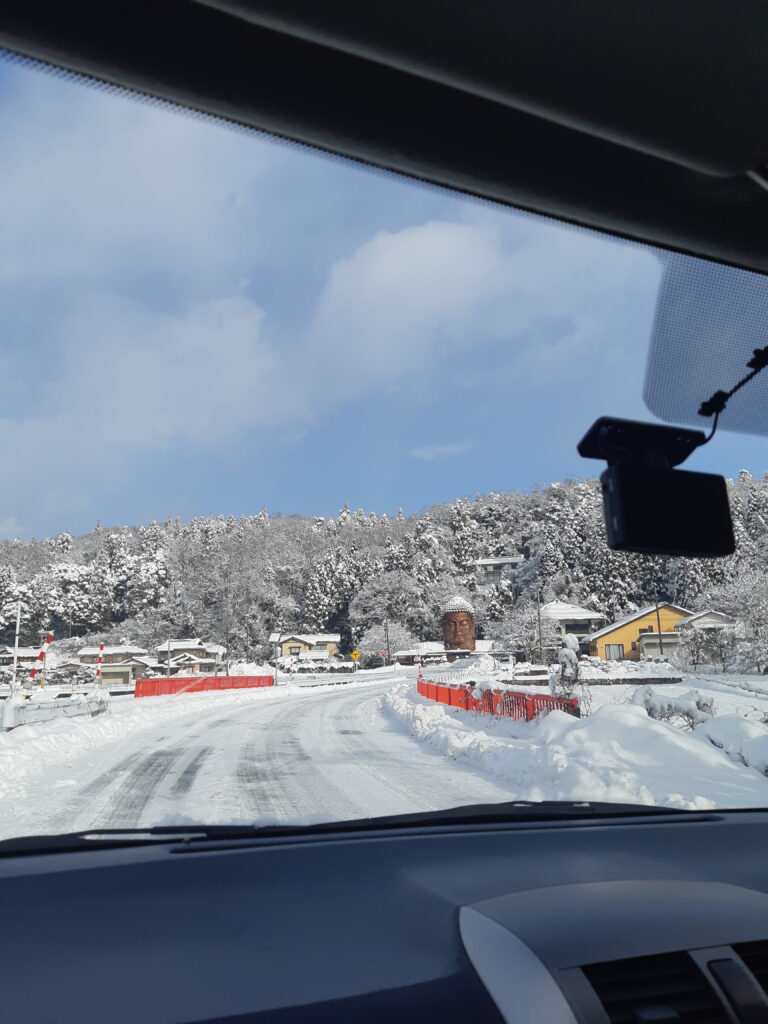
x,y
709,319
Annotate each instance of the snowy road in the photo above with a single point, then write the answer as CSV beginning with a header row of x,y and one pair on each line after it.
x,y
321,755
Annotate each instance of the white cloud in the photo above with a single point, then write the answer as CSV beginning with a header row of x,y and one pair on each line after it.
x,y
98,193
428,452
94,185
430,293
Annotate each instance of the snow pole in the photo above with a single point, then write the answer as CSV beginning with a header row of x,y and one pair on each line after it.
x,y
99,661
40,659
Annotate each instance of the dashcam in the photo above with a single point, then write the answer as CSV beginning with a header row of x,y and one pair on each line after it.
x,y
666,512
650,507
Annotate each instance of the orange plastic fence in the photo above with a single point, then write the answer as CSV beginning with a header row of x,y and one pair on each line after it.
x,y
163,685
510,703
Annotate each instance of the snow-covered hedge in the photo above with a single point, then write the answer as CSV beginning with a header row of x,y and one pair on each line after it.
x,y
691,708
741,739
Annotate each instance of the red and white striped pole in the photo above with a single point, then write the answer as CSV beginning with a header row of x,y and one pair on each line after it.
x,y
41,657
99,661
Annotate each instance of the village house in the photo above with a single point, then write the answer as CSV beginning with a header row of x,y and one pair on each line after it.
x,y
637,635
26,655
190,655
708,622
122,664
293,644
579,622
493,570
430,651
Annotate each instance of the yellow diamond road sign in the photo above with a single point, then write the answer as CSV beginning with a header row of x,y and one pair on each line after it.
x,y
355,655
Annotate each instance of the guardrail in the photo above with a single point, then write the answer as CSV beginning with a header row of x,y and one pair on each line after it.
x,y
162,686
18,710
509,703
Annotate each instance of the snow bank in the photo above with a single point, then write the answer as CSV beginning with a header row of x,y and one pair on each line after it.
x,y
618,754
595,670
250,668
742,740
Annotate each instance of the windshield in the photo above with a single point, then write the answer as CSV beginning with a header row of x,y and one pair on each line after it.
x,y
294,526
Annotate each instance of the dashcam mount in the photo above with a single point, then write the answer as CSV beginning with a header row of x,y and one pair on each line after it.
x,y
618,441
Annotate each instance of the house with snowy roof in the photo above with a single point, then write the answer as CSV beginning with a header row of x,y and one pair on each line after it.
x,y
431,651
493,570
707,620
648,632
294,644
580,622
190,655
26,655
121,664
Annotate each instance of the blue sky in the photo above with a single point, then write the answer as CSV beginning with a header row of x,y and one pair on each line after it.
x,y
199,320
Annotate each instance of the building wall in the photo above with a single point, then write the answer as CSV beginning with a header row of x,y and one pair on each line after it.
x,y
578,629
708,621
628,635
651,647
285,647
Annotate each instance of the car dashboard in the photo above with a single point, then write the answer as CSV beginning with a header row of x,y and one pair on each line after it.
x,y
605,920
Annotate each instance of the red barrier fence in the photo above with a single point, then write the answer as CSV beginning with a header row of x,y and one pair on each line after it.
x,y
164,685
511,703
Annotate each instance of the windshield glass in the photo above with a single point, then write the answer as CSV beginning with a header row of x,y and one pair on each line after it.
x,y
294,525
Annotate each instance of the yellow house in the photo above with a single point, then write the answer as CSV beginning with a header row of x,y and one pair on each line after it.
x,y
294,644
621,639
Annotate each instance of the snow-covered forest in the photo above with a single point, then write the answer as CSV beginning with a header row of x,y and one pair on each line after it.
x,y
236,580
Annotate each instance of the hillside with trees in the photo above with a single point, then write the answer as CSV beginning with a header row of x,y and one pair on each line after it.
x,y
236,580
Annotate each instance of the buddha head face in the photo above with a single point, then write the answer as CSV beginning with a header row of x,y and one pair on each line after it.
x,y
459,631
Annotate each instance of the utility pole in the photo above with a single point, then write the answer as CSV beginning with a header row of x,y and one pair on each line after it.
x,y
16,648
169,655
658,621
386,637
538,610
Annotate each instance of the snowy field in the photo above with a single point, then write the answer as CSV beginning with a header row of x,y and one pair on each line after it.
x,y
303,753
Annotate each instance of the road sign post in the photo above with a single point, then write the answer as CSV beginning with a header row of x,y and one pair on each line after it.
x,y
355,656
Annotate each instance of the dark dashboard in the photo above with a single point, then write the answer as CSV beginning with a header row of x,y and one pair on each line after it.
x,y
517,922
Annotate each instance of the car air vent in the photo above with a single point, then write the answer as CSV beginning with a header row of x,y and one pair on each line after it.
x,y
657,989
755,956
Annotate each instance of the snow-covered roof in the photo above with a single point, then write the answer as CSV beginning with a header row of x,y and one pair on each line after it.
x,y
314,655
312,638
125,649
631,618
457,604
176,645
503,560
191,644
191,659
562,611
699,615
24,652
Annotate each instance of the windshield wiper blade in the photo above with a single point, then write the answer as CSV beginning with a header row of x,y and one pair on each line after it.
x,y
508,812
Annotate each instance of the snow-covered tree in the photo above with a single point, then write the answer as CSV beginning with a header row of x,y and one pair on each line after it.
x,y
378,638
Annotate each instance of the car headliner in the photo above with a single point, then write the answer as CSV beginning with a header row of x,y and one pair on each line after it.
x,y
644,118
